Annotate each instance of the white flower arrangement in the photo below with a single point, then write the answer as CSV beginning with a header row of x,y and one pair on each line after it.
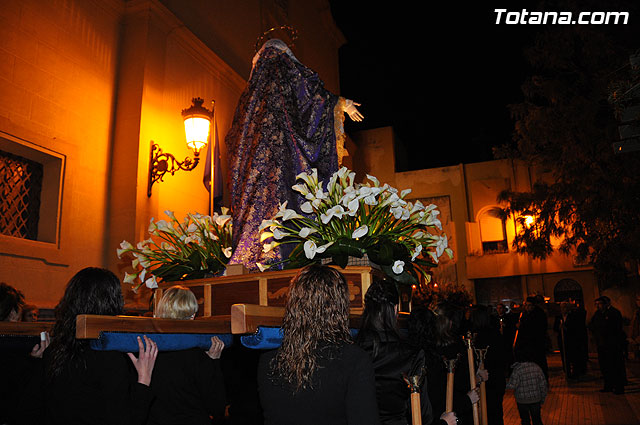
x,y
347,219
199,246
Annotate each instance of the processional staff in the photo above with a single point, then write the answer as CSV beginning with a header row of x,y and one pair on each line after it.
x,y
451,368
481,353
414,382
472,376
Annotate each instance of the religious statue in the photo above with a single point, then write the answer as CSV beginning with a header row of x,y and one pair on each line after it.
x,y
285,123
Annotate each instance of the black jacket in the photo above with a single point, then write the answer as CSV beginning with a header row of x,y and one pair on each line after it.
x,y
392,359
189,388
105,392
343,392
437,381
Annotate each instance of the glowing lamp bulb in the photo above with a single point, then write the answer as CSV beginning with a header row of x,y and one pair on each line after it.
x,y
197,122
197,131
528,220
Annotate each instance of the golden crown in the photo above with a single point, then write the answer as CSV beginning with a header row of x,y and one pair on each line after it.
x,y
291,32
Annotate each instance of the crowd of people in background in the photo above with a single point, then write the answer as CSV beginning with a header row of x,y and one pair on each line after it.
x,y
322,373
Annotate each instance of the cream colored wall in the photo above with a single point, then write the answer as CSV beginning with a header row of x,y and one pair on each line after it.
x,y
374,155
58,60
444,181
473,188
95,81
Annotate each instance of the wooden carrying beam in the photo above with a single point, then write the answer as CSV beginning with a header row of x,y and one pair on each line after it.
x,y
89,326
245,318
24,328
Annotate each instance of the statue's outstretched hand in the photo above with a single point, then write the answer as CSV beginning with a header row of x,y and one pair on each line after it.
x,y
352,111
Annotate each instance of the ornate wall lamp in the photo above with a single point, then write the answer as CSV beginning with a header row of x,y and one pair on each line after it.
x,y
197,123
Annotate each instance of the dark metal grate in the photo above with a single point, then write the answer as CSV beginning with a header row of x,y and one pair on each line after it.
x,y
20,187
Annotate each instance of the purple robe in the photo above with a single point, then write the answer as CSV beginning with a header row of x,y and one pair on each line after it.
x,y
284,124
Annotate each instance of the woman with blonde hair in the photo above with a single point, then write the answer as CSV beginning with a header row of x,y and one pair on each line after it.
x,y
317,375
188,384
177,302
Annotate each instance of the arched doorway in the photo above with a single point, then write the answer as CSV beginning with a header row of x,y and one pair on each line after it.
x,y
566,290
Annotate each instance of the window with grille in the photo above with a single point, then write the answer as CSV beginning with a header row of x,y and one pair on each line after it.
x,y
20,188
31,179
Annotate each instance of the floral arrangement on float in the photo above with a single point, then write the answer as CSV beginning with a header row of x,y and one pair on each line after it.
x,y
345,219
197,247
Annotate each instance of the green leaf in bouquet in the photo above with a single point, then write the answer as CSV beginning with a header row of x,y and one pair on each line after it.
x,y
195,274
340,260
345,247
382,253
171,272
195,260
404,278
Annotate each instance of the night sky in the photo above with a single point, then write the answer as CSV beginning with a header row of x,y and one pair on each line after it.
x,y
441,75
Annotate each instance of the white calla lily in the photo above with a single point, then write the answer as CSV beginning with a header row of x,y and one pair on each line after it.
x,y
336,211
262,267
221,220
441,244
310,179
265,235
130,277
398,267
311,249
163,226
306,208
306,231
267,223
352,207
416,252
268,247
279,234
360,232
301,188
151,283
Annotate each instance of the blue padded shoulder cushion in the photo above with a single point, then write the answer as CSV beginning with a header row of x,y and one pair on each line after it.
x,y
267,338
127,342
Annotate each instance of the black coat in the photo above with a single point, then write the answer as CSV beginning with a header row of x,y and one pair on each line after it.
x,y
343,392
532,337
16,366
607,328
188,387
105,392
437,381
392,359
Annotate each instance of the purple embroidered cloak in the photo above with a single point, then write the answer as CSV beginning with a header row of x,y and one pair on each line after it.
x,y
283,125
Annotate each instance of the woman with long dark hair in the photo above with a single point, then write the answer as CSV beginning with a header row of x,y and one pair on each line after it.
x,y
317,376
83,386
440,339
392,357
